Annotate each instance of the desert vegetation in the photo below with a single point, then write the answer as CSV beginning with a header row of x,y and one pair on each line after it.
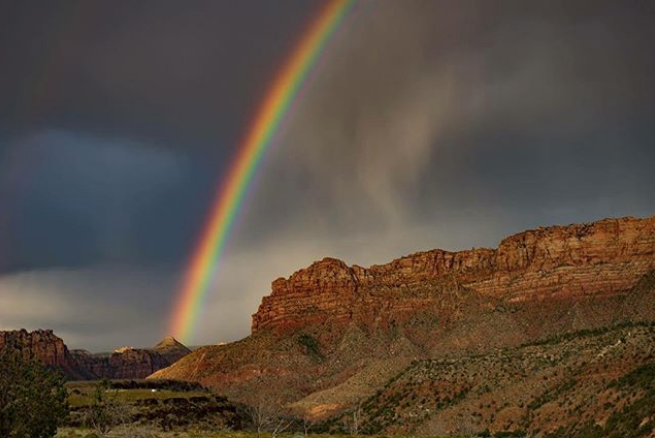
x,y
130,408
590,383
33,400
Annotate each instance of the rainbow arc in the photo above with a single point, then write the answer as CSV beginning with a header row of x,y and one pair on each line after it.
x,y
259,137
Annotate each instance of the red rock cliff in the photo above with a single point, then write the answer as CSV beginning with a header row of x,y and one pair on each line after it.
x,y
600,259
126,363
41,345
132,363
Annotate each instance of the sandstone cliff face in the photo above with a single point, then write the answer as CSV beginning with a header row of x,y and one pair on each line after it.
x,y
41,345
332,334
127,363
582,261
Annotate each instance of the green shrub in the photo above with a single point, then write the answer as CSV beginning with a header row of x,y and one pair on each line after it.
x,y
311,345
33,400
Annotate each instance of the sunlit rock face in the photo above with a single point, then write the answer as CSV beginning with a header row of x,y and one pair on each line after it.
x,y
545,267
332,334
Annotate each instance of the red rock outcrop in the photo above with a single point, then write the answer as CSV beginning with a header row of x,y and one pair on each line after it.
x,y
126,363
332,334
42,345
129,362
600,259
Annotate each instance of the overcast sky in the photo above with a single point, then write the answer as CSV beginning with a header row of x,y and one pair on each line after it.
x,y
428,124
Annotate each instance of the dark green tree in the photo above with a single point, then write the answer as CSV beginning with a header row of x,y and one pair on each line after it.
x,y
33,399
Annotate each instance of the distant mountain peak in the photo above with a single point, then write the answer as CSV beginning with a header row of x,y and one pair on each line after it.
x,y
169,342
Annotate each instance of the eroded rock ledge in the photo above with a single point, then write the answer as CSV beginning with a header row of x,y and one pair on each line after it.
x,y
559,263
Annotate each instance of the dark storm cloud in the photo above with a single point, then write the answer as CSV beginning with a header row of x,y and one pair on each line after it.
x,y
453,125
430,124
74,199
183,75
536,112
154,75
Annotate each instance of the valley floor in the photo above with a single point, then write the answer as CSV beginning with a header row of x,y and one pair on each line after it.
x,y
85,433
586,384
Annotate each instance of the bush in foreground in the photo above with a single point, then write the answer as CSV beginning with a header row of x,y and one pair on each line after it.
x,y
32,398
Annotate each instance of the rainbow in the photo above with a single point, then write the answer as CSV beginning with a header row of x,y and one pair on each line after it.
x,y
259,137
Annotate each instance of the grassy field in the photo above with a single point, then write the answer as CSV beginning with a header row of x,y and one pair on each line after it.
x,y
84,396
134,408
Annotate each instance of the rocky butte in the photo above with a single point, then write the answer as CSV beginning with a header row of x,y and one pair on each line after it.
x,y
332,335
123,363
41,345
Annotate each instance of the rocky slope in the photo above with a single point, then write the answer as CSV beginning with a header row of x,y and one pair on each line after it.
x,y
124,363
332,335
585,383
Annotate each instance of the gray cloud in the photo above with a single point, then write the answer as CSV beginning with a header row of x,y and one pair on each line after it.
x,y
76,199
431,110
94,307
178,76
428,124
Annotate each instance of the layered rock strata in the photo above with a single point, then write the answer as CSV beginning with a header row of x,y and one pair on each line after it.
x,y
332,335
598,260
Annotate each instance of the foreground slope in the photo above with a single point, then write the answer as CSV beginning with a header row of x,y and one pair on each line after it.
x,y
332,335
567,385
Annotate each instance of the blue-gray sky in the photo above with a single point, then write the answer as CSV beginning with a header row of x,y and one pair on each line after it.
x,y
434,123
